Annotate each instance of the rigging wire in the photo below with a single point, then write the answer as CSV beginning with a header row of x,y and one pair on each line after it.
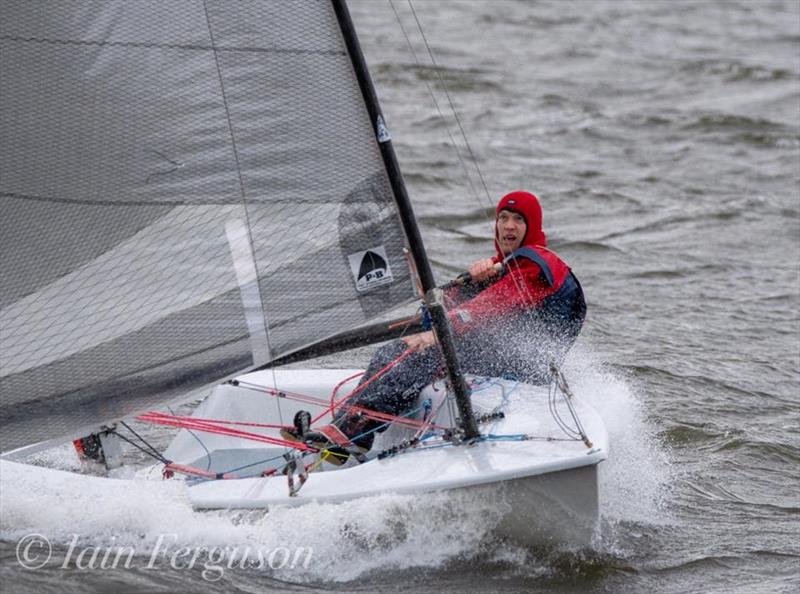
x,y
437,70
561,382
147,449
551,403
436,103
156,453
200,441
520,285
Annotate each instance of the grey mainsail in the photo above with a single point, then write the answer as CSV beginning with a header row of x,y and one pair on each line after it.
x,y
189,190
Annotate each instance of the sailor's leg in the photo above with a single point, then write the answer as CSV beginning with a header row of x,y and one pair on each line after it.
x,y
394,392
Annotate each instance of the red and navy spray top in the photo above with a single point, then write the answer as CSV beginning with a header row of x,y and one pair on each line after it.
x,y
532,273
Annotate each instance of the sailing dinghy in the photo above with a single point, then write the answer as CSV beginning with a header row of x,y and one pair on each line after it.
x,y
195,190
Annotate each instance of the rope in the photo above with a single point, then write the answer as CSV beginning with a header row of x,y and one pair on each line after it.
x,y
200,441
154,452
264,461
156,455
339,385
361,387
449,101
521,286
192,471
296,396
218,421
561,382
161,419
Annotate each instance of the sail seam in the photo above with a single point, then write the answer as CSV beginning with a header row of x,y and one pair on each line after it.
x,y
176,46
93,202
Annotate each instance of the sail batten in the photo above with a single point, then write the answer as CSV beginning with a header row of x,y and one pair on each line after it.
x,y
134,136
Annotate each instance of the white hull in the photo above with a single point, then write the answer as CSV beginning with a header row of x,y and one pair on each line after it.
x,y
548,488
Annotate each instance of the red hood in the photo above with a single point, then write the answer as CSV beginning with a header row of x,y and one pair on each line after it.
x,y
528,206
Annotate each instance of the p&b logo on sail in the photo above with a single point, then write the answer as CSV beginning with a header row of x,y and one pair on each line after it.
x,y
370,268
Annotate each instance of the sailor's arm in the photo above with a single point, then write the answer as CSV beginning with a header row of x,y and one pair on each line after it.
x,y
518,290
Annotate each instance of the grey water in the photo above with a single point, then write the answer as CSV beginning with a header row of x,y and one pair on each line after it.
x,y
663,139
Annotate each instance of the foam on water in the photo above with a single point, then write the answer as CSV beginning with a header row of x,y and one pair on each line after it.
x,y
380,533
386,532
635,478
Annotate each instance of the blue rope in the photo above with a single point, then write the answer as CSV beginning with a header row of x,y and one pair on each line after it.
x,y
512,437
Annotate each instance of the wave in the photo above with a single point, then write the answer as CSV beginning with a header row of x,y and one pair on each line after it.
x,y
725,214
719,494
712,439
730,71
776,451
480,215
586,246
731,129
727,562
607,198
457,80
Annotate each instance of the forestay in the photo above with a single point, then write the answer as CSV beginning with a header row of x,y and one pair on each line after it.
x,y
189,189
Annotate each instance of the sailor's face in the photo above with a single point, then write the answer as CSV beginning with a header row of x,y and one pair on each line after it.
x,y
511,229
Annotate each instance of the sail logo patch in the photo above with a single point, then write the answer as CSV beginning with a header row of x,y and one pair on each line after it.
x,y
370,268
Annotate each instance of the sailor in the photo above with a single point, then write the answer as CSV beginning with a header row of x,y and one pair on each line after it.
x,y
518,314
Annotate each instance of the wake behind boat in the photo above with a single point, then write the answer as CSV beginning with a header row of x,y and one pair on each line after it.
x,y
196,191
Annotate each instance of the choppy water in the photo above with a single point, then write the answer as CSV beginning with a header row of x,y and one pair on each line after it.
x,y
664,141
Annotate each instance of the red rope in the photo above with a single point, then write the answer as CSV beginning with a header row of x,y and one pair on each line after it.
x,y
386,417
339,385
219,421
360,387
211,427
190,470
217,426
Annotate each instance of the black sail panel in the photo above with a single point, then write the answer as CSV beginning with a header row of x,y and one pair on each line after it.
x,y
189,190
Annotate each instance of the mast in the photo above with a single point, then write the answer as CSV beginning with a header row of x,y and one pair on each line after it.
x,y
432,295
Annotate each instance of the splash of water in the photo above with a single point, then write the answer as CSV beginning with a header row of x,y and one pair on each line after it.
x,y
637,478
384,532
375,534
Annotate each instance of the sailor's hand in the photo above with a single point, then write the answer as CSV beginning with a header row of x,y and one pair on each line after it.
x,y
483,269
421,341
